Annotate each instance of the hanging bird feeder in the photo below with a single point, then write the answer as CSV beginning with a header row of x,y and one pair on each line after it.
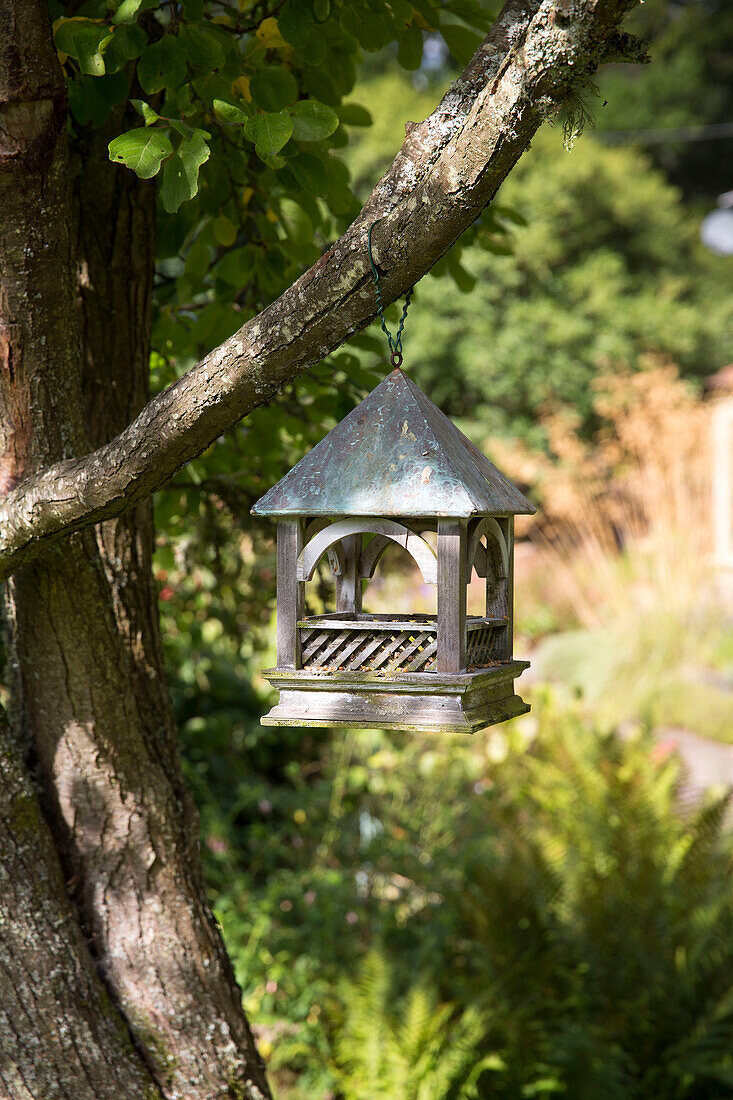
x,y
391,471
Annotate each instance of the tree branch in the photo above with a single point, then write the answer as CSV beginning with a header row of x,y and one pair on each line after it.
x,y
448,169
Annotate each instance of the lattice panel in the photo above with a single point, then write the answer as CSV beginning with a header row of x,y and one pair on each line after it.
x,y
368,651
479,647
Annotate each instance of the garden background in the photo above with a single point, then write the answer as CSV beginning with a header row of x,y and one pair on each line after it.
x,y
546,908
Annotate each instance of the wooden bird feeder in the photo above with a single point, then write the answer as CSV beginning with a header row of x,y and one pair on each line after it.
x,y
395,468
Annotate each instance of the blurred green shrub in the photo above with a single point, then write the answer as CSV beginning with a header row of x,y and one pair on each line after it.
x,y
535,897
414,1048
595,920
587,262
606,269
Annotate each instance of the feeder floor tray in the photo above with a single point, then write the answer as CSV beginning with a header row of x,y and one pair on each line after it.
x,y
420,701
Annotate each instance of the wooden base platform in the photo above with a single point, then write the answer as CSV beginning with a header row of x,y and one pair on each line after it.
x,y
418,702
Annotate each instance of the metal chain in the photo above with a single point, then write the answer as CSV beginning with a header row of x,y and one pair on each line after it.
x,y
395,342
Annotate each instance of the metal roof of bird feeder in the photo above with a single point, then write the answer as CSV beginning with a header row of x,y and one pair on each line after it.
x,y
395,454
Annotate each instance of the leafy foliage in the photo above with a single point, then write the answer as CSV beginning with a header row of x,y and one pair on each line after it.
x,y
605,271
245,112
687,84
570,926
241,113
412,1048
625,913
586,264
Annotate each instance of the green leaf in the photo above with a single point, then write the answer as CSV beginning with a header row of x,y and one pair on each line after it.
x,y
403,10
185,129
341,69
367,342
141,150
294,24
269,132
194,150
312,121
128,10
351,23
273,88
374,30
429,11
472,12
183,99
340,196
225,230
315,49
310,172
496,245
125,45
163,65
274,161
237,267
175,188
83,39
463,279
229,112
298,225
321,10
198,258
409,47
353,114
320,86
509,213
181,172
148,114
202,46
461,42
215,186
307,202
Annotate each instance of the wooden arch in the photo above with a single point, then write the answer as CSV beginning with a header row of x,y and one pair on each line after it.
x,y
336,556
415,545
477,555
373,551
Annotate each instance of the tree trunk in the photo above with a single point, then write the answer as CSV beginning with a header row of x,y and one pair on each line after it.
x,y
89,700
60,1036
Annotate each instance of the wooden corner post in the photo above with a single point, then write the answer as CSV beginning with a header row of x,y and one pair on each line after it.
x,y
510,588
348,585
290,591
452,553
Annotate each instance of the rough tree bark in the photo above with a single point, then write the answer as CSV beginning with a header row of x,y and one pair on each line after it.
x,y
119,985
89,698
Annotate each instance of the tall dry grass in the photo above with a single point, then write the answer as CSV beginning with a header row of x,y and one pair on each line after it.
x,y
624,532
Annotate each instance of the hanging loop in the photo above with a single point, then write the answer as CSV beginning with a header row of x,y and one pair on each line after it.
x,y
395,342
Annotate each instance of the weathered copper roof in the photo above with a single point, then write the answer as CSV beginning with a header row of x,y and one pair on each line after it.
x,y
395,454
